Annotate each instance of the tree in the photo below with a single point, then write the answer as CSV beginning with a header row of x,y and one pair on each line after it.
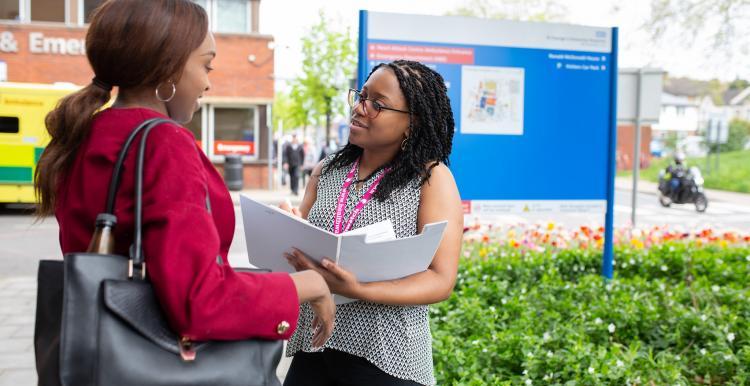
x,y
329,62
525,10
739,84
724,21
288,111
739,132
670,141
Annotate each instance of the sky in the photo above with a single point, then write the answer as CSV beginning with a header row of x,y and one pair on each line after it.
x,y
288,20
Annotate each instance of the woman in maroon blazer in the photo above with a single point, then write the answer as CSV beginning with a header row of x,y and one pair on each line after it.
x,y
159,53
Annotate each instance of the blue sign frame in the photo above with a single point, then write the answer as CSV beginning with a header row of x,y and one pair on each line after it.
x,y
583,171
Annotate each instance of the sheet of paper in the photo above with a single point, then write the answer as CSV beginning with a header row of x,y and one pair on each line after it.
x,y
380,231
270,232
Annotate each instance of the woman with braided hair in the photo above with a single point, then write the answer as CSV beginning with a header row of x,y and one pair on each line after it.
x,y
394,167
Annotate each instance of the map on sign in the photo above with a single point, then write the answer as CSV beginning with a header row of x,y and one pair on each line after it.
x,y
492,100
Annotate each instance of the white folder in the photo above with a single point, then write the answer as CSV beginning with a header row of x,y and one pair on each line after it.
x,y
371,253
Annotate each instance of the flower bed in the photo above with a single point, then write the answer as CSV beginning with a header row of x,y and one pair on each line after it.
x,y
531,308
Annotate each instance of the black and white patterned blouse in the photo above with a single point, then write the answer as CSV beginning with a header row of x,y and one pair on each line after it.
x,y
396,339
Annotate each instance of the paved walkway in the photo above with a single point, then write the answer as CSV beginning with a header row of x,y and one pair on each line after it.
x,y
17,302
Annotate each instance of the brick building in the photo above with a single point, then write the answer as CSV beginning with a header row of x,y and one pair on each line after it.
x,y
626,147
42,41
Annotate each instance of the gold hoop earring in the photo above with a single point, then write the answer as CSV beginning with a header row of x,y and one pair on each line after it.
x,y
165,100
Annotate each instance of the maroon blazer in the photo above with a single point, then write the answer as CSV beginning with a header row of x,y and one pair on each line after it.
x,y
185,246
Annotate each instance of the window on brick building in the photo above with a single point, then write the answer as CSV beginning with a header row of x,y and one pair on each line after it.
x,y
88,8
228,16
10,10
48,10
197,125
33,10
226,129
235,129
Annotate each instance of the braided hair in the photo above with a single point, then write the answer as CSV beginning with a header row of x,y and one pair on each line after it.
x,y
431,128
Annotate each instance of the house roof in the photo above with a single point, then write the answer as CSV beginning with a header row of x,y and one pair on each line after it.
x,y
686,87
737,97
676,100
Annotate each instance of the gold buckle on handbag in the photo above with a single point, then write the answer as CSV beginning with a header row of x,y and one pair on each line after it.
x,y
186,349
130,269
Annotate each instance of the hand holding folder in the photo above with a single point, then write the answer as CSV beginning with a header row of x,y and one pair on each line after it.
x,y
371,253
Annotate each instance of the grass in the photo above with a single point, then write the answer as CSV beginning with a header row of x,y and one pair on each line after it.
x,y
733,174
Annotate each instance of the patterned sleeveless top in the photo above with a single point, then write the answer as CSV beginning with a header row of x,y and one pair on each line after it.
x,y
396,339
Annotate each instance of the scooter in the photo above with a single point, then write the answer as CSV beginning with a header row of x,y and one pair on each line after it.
x,y
689,190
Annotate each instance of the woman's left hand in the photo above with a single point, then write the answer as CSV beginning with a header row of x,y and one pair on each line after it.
x,y
339,280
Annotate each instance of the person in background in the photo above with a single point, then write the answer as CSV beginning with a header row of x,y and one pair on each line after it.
x,y
309,164
676,172
294,157
326,149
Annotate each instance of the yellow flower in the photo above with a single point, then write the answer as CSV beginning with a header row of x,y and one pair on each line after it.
x,y
551,226
636,243
483,253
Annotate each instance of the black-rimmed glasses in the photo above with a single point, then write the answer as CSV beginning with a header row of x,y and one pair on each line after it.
x,y
372,107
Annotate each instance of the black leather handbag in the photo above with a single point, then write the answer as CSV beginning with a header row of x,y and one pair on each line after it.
x,y
98,321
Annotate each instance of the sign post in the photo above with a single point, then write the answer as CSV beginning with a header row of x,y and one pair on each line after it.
x,y
638,102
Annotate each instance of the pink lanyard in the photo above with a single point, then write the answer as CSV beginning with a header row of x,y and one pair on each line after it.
x,y
338,221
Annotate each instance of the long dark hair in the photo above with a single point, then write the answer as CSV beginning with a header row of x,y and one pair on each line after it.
x,y
430,129
129,44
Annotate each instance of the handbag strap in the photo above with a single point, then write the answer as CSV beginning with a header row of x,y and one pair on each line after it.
x,y
114,182
108,218
136,250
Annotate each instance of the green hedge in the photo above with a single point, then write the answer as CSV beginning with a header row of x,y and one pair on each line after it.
x,y
675,314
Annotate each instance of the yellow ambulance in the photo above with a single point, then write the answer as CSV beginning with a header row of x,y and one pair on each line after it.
x,y
23,107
